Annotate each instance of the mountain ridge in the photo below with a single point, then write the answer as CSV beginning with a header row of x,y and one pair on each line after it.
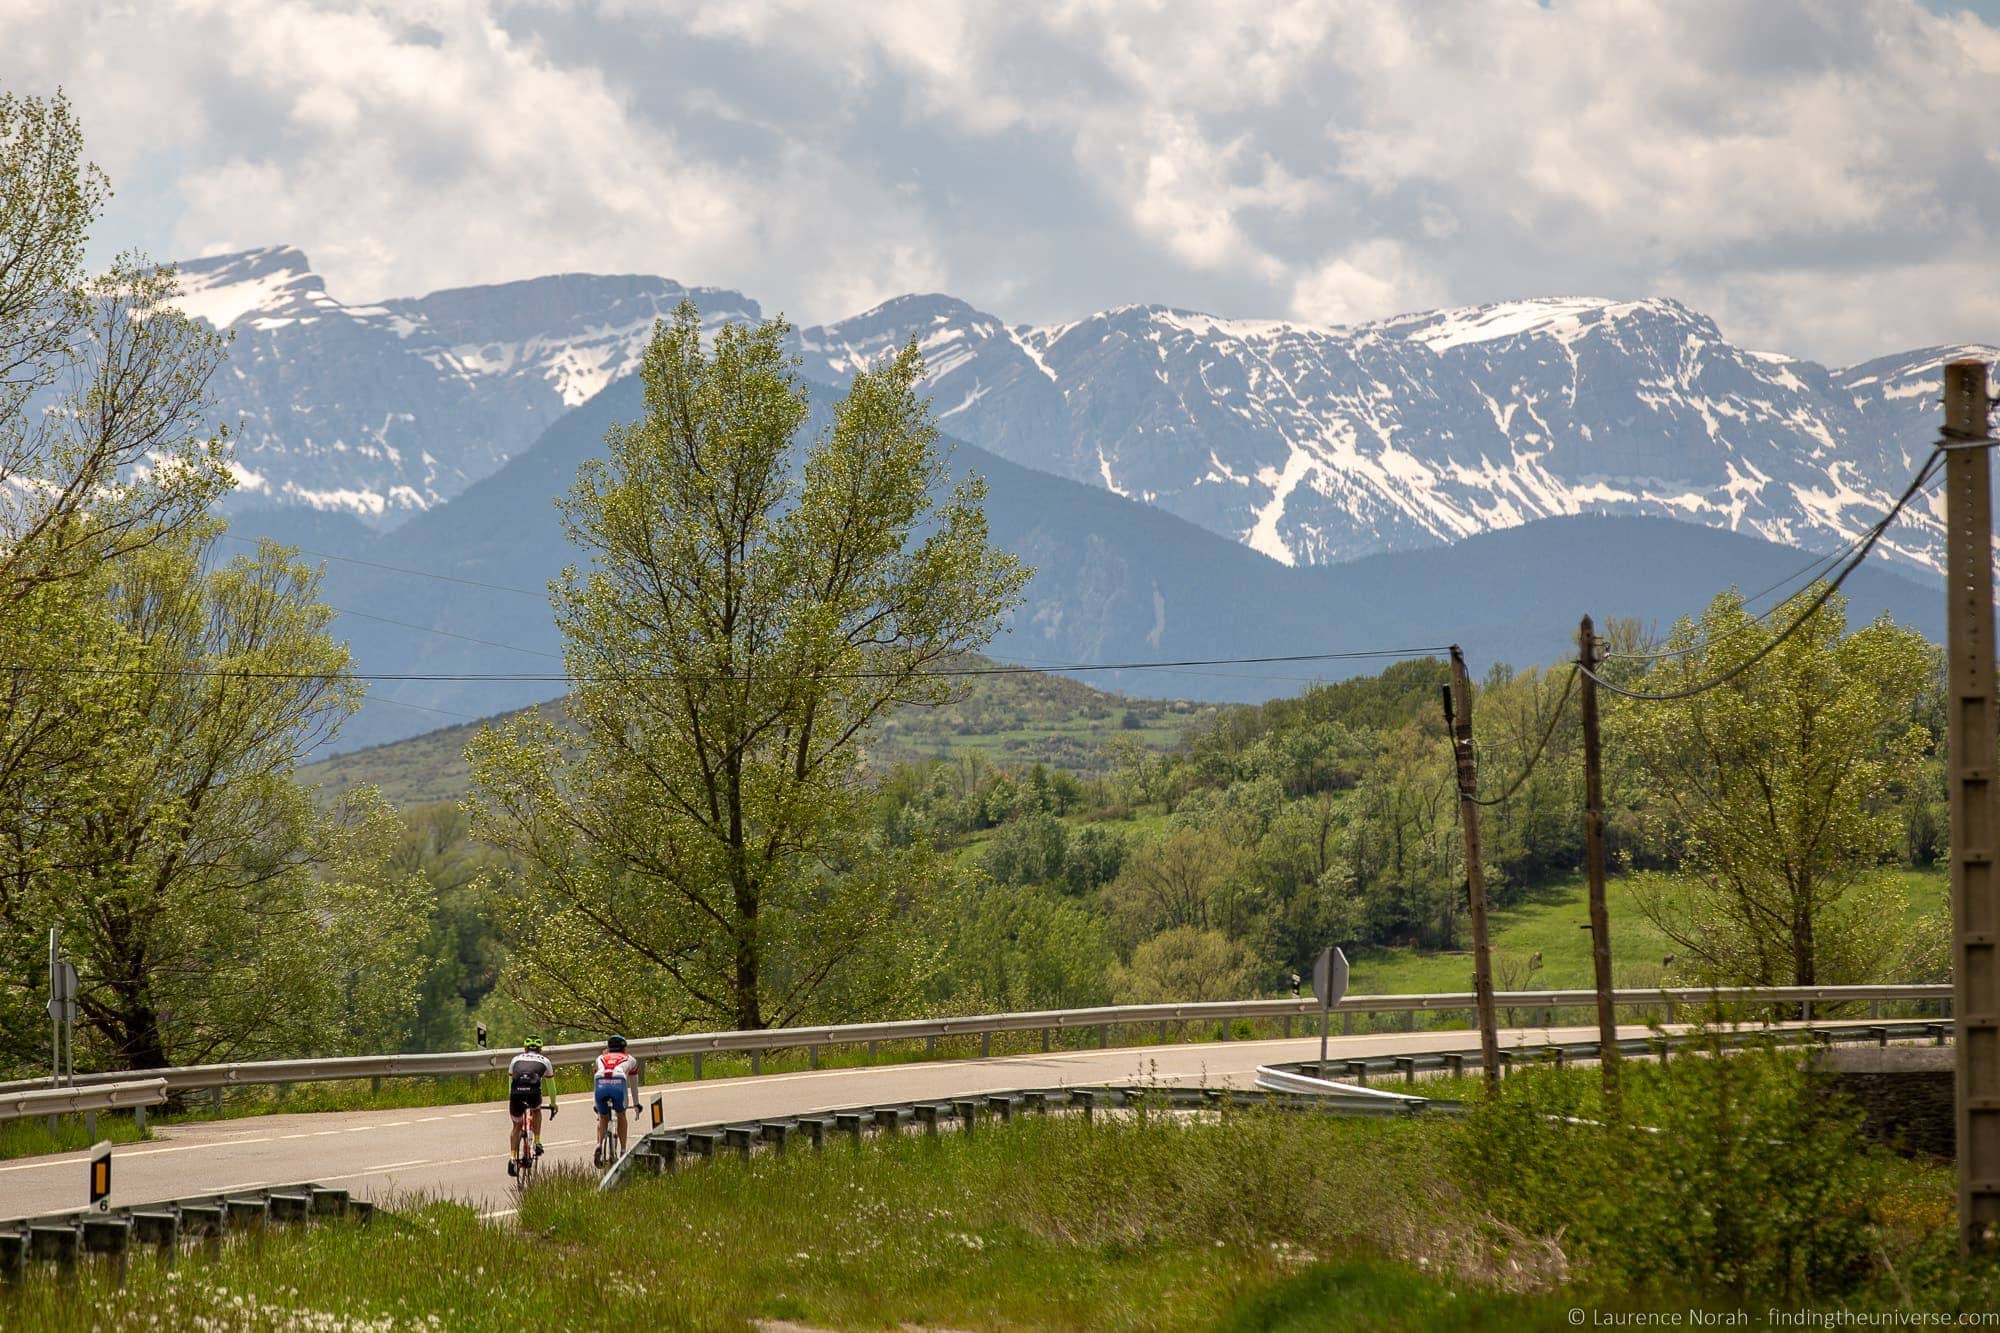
x,y
1310,444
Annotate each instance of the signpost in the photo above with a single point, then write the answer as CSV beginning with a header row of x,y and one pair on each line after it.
x,y
62,1013
1329,984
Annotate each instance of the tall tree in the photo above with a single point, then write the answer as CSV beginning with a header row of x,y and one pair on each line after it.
x,y
701,851
1780,782
214,910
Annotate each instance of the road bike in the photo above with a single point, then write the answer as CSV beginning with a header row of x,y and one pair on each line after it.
x,y
606,1154
526,1155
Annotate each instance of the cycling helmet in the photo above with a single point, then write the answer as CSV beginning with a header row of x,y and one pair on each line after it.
x,y
532,1044
616,1042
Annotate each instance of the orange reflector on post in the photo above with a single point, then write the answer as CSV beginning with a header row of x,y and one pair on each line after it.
x,y
100,1175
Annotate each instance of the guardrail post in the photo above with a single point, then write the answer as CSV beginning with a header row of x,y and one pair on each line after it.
x,y
218,1101
888,1120
1357,1072
1347,1023
13,1254
812,1056
1104,1035
968,1114
1455,1062
871,1052
697,1066
90,1125
139,1119
756,1060
985,1044
1409,1020
1087,1100
1408,1064
930,1046
1807,1014
1045,1040
1288,1025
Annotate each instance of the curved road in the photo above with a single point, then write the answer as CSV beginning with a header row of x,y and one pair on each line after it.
x,y
460,1151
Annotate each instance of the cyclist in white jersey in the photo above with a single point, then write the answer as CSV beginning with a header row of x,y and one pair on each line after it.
x,y
525,1075
614,1076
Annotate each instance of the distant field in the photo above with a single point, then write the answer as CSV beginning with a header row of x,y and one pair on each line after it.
x,y
1551,921
1016,721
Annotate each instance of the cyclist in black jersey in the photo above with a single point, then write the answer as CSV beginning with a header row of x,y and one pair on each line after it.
x,y
526,1073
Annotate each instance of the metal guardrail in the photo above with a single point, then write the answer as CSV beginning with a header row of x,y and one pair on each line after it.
x,y
665,1149
63,1239
15,1105
1668,1000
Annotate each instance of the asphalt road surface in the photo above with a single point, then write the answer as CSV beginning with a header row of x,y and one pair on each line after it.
x,y
459,1152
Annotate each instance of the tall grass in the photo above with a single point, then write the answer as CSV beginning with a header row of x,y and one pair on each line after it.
x,y
33,1136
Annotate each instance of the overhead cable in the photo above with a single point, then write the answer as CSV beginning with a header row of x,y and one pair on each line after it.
x,y
1874,534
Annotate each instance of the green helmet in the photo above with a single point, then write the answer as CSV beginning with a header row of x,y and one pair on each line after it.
x,y
532,1044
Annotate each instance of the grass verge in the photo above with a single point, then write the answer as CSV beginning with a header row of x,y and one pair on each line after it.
x,y
1252,1220
33,1136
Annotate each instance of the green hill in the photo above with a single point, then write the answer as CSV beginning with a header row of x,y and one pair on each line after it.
x,y
1015,720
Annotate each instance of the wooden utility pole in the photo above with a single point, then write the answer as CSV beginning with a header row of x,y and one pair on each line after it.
x,y
1593,859
1475,878
1975,800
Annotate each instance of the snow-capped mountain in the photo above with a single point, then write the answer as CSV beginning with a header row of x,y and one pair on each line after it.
x,y
1316,445
1310,444
385,410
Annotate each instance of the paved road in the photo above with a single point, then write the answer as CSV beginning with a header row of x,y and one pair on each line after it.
x,y
460,1151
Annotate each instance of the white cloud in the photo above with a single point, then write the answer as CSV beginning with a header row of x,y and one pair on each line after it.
x,y
1785,166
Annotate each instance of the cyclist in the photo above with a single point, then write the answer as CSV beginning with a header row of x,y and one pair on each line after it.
x,y
526,1073
615,1074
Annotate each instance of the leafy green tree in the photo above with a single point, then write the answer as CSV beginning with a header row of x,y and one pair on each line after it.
x,y
1014,949
104,445
463,951
700,850
1782,781
1187,878
213,909
1184,964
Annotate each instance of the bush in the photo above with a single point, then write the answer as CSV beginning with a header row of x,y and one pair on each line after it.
x,y
1737,1178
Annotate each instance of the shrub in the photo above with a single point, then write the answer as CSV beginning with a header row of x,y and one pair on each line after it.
x,y
1738,1178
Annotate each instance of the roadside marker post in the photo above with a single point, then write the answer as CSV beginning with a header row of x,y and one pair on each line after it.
x,y
100,1175
659,1112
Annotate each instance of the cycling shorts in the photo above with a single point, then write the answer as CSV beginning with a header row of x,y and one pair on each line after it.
x,y
610,1095
520,1103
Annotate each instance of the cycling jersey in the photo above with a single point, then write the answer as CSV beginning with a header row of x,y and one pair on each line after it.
x,y
613,1073
525,1073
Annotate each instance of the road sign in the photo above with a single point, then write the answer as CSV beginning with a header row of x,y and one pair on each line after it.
x,y
62,992
1329,985
100,1176
1330,977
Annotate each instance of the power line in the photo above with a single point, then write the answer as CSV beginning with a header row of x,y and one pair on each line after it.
x,y
1874,534
564,678
1540,746
443,633
543,594
1935,468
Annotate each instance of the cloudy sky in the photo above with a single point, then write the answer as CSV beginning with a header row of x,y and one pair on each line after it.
x,y
1821,176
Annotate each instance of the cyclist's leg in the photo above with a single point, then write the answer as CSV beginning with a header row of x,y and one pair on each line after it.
x,y
621,1129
